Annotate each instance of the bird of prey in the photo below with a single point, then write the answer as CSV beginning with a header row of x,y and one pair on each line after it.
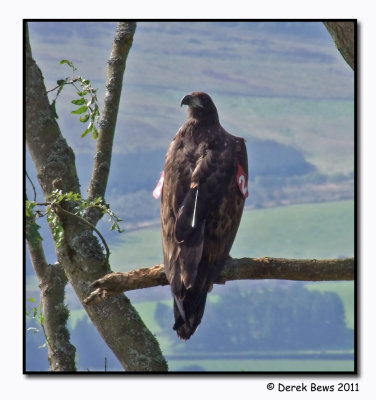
x,y
203,185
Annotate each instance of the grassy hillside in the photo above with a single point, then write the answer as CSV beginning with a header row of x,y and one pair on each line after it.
x,y
319,230
281,85
282,81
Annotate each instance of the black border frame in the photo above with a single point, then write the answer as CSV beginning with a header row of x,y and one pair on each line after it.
x,y
357,171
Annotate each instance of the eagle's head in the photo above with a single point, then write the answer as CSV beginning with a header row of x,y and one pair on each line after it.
x,y
200,107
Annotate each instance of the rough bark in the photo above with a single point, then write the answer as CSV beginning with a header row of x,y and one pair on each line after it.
x,y
81,255
52,282
343,34
116,66
235,269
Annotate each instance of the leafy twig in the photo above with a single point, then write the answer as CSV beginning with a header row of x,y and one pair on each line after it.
x,y
89,109
53,208
38,315
61,83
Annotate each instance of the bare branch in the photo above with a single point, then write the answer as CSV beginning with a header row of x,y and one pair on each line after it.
x,y
61,353
32,185
288,269
235,269
116,66
52,281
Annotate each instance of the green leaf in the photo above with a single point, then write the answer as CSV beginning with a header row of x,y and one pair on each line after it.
x,y
79,102
96,111
89,129
61,82
95,133
31,299
80,110
29,211
32,233
83,93
85,118
67,62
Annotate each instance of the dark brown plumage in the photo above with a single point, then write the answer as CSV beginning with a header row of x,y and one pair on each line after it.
x,y
202,203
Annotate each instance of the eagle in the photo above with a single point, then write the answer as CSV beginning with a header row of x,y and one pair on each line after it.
x,y
203,188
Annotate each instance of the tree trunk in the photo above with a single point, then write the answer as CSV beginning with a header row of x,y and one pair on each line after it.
x,y
81,255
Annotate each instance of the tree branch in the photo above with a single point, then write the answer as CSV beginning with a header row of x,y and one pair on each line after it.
x,y
343,34
102,161
52,281
81,255
87,223
235,269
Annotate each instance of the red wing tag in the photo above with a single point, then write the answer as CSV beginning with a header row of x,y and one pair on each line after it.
x,y
158,189
241,179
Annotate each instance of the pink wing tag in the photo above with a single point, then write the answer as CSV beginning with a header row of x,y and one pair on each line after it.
x,y
241,179
158,189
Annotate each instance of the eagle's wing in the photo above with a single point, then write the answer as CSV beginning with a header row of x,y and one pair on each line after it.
x,y
199,195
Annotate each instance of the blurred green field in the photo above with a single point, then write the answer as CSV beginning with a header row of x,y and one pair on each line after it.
x,y
252,365
318,230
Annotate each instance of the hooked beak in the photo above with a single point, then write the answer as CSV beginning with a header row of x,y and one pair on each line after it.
x,y
186,100
191,101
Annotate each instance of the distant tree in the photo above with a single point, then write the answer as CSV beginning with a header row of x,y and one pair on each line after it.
x,y
279,318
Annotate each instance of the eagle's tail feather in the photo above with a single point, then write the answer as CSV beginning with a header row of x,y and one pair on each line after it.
x,y
188,314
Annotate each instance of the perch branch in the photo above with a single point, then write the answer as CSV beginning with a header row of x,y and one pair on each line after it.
x,y
235,269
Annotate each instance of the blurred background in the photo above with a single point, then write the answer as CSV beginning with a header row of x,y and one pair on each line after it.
x,y
285,88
